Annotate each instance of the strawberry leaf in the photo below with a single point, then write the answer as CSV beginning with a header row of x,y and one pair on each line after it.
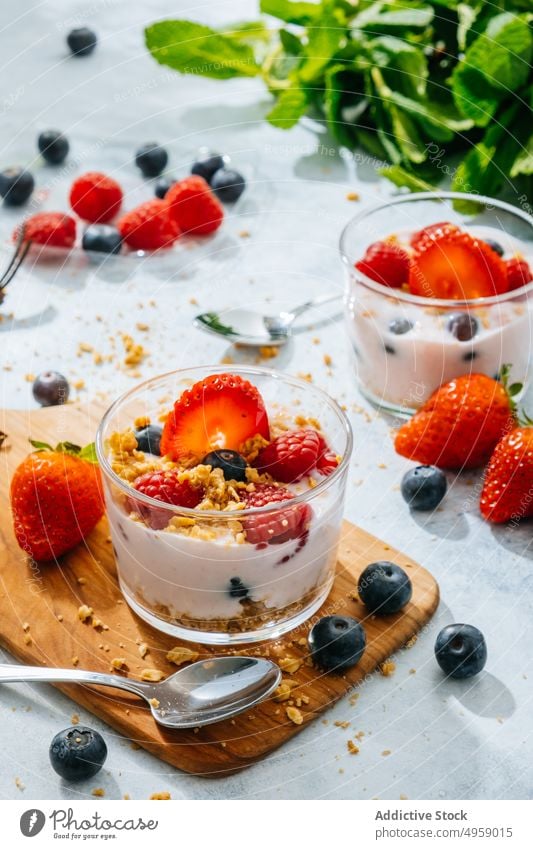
x,y
88,453
41,446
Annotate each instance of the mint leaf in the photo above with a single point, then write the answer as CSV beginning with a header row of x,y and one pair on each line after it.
x,y
392,17
344,104
292,12
324,40
523,163
290,106
193,48
496,63
291,43
405,179
405,62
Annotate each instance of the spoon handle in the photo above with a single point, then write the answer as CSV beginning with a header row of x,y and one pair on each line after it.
x,y
315,302
10,674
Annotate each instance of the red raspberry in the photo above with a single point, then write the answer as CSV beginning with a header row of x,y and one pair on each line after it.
x,y
386,263
518,273
95,197
327,461
148,227
276,526
291,456
164,486
194,207
54,229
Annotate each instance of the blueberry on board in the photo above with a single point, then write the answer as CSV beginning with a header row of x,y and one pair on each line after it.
x,y
102,238
384,587
337,642
237,589
495,246
399,326
162,186
81,41
463,326
77,753
461,650
424,487
53,146
149,438
207,164
50,389
16,186
389,349
151,158
232,463
228,185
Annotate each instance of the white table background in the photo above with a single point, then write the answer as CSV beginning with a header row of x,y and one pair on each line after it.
x,y
446,740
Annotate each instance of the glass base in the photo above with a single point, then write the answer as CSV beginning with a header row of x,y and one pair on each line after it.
x,y
269,631
383,405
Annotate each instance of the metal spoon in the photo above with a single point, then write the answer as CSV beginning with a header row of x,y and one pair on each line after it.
x,y
251,328
200,694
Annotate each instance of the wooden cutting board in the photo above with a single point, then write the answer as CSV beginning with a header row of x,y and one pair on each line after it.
x,y
46,598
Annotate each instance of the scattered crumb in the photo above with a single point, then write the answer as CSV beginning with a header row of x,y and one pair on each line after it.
x,y
153,675
98,791
126,797
244,234
268,352
75,660
142,327
154,702
290,664
27,639
143,650
327,360
81,580
294,715
180,654
386,752
164,795
411,641
403,796
352,748
19,784
85,612
387,668
352,196
29,377
118,663
74,719
344,724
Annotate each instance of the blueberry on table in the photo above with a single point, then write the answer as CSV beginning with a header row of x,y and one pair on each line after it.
x,y
461,650
237,588
81,41
50,389
337,642
495,246
148,439
162,186
53,146
151,158
384,587
228,185
399,326
16,186
77,753
463,326
424,487
232,463
102,238
206,165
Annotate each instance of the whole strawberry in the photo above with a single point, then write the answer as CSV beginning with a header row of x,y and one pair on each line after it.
x,y
508,485
56,499
459,425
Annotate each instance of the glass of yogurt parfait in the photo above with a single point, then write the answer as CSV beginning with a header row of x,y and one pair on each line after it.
x,y
434,293
224,494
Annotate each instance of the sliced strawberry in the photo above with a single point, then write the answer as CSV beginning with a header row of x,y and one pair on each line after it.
x,y
221,411
277,526
432,232
458,267
518,273
386,263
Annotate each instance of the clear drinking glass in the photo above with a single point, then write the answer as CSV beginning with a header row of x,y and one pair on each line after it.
x,y
207,587
398,371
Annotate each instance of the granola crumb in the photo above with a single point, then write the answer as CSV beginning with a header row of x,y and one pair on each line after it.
x,y
81,580
26,626
268,352
352,747
118,663
327,360
387,668
85,612
98,791
126,797
153,675
154,702
290,664
164,795
143,650
386,752
411,641
282,693
19,784
180,654
74,719
352,196
339,724
75,660
294,715
28,639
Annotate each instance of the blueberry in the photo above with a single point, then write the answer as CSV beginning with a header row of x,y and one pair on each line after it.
x,y
102,238
53,146
232,464
237,589
461,651
151,158
337,642
148,439
424,487
206,165
469,356
77,753
50,389
389,349
228,185
384,587
162,186
495,246
16,185
399,326
81,41
463,326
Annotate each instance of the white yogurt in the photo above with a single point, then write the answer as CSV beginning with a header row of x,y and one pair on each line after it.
x,y
404,369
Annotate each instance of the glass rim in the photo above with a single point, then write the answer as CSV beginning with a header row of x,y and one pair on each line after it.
x,y
421,300
219,514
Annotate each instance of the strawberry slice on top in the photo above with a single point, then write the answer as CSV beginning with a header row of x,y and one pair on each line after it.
x,y
455,265
220,411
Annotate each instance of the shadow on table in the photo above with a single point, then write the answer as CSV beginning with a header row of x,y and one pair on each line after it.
x,y
484,695
517,539
44,316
